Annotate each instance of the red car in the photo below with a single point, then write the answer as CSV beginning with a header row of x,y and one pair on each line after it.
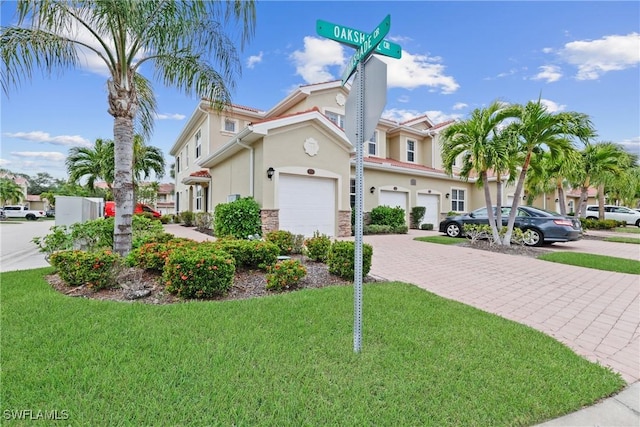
x,y
110,210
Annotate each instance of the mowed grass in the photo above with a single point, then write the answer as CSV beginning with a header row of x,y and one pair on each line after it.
x,y
284,360
442,240
598,262
632,240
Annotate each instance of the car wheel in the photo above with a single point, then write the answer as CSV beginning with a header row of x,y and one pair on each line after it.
x,y
453,230
638,223
533,237
31,217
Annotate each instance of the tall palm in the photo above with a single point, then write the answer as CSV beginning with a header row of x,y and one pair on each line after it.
x,y
146,159
472,139
599,163
10,192
177,39
91,163
539,129
549,174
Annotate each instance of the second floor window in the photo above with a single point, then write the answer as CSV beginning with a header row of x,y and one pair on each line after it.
x,y
230,125
198,144
411,151
178,164
336,118
373,144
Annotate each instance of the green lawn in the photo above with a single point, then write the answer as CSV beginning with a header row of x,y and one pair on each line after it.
x,y
633,240
598,262
285,360
443,240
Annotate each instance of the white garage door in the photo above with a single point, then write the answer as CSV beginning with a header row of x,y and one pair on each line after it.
x,y
394,199
431,214
307,204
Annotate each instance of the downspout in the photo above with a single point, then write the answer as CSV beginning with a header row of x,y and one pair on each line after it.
x,y
251,164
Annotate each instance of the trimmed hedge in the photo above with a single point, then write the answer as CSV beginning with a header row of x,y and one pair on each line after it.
x,y
341,259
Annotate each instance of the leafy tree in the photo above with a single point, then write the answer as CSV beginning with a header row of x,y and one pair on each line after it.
x,y
176,39
537,129
147,193
10,192
41,183
482,149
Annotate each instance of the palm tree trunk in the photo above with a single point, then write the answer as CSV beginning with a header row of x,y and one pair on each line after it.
x,y
506,241
123,184
561,197
492,218
601,201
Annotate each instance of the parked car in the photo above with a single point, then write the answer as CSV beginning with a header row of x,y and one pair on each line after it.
x,y
19,211
51,213
545,227
110,209
618,213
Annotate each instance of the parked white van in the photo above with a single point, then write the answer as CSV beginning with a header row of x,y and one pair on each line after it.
x,y
618,213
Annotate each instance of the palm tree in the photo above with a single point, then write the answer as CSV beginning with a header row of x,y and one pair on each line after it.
x,y
548,174
92,163
538,129
600,163
146,159
176,39
473,139
10,192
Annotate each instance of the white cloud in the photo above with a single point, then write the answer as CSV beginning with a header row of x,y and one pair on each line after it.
x,y
550,73
631,145
39,136
313,63
460,106
436,117
4,162
593,58
552,107
413,71
46,155
170,116
409,72
254,59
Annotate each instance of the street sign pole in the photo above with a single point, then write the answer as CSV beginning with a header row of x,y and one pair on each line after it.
x,y
357,279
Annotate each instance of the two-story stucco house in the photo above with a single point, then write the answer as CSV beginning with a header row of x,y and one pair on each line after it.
x,y
297,163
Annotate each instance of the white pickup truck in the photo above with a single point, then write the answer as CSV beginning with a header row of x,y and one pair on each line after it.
x,y
17,211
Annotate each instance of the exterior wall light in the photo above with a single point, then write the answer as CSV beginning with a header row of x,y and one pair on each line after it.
x,y
446,195
372,190
270,172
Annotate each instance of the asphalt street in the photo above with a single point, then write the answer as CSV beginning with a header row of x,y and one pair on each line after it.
x,y
17,251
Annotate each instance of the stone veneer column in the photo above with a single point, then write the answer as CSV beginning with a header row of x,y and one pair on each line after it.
x,y
270,220
344,223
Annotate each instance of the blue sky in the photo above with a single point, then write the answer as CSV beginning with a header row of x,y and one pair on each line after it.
x,y
457,56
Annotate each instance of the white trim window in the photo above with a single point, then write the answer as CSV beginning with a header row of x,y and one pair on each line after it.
x,y
199,197
457,200
352,192
230,125
198,144
372,146
178,164
411,151
336,118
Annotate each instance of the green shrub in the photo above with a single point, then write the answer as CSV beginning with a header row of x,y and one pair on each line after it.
x,y
283,239
187,218
377,229
298,244
340,259
285,274
318,246
199,272
96,270
250,253
240,218
400,229
417,213
601,224
203,221
166,219
426,226
386,215
152,256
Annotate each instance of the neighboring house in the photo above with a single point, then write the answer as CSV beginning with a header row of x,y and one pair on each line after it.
x,y
297,163
36,203
165,203
22,182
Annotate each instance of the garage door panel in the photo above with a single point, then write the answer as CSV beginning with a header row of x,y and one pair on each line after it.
x,y
307,204
430,203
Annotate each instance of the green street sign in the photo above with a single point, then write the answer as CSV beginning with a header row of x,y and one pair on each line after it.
x,y
355,38
367,46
